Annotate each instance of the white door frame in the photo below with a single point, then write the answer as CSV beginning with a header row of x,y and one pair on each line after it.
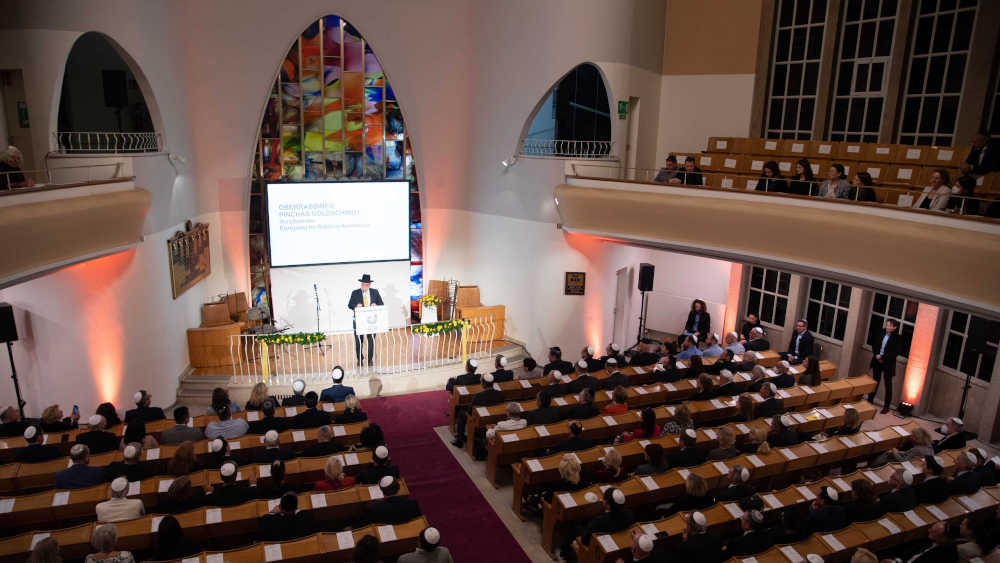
x,y
621,309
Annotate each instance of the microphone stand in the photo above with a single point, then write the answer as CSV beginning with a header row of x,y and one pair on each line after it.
x,y
13,376
319,345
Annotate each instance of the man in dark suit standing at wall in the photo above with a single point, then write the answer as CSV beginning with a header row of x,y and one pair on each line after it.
x,y
366,296
984,156
801,345
883,362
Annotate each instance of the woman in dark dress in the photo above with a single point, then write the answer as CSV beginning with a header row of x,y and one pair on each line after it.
x,y
771,180
803,180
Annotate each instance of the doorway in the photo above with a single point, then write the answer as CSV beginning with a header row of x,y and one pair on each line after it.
x,y
632,143
15,124
621,307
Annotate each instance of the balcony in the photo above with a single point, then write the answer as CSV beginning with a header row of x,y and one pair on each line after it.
x,y
97,142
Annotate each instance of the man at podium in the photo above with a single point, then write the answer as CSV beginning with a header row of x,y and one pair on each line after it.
x,y
366,297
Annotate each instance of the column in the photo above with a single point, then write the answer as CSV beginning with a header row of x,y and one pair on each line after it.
x,y
733,298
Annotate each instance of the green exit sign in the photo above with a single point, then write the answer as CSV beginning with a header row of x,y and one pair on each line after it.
x,y
622,109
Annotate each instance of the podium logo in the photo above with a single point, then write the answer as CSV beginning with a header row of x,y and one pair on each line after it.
x,y
372,319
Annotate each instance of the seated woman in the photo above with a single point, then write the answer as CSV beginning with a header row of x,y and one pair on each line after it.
x,y
802,183
171,543
53,420
648,429
835,185
680,423
935,196
811,376
861,188
183,460
335,478
690,176
865,506
695,497
111,418
611,469
257,397
104,540
757,437
220,396
727,445
852,423
181,497
965,204
920,446
771,180
706,388
570,477
352,411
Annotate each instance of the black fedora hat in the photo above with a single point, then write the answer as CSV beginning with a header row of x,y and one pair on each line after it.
x,y
366,279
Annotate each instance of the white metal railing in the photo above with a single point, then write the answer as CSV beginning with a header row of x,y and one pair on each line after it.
x,y
568,149
399,351
23,179
107,142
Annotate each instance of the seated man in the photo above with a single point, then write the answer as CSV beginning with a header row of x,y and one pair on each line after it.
x,y
933,489
689,348
337,392
699,544
96,438
583,379
131,467
758,377
801,344
79,475
825,513
181,432
392,508
713,350
502,373
268,421
728,387
940,547
229,492
325,445
470,377
119,508
380,467
613,351
615,378
647,353
226,427
954,436
487,397
575,442
428,550
784,378
738,487
689,455
556,362
783,432
584,408
142,410
757,342
965,481
312,417
771,405
755,537
297,399
35,451
903,495
733,343
286,521
545,413
668,172
587,355
272,450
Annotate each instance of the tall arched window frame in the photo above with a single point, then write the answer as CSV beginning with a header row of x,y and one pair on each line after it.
x,y
573,120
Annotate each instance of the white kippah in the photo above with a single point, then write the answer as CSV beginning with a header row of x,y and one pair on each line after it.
x,y
715,335
939,460
849,406
298,385
971,457
76,450
491,433
590,350
690,433
784,364
956,421
95,420
30,432
473,363
487,378
432,536
618,496
757,329
582,364
770,387
787,420
813,558
227,469
271,436
216,445
612,361
382,452
385,482
645,543
130,451
757,516
726,374
907,477
591,497
832,493
699,518
503,364
744,474
734,333
137,396
615,347
119,484
657,367
556,373
337,372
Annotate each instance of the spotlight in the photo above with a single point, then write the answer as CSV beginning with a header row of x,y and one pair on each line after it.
x,y
905,409
509,162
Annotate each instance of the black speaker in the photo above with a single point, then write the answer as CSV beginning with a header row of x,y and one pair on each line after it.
x,y
8,330
115,90
645,277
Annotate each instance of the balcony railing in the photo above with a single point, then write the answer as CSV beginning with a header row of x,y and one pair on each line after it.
x,y
566,149
27,180
107,142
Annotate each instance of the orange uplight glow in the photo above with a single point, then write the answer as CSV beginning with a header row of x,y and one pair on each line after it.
x,y
920,352
590,247
733,297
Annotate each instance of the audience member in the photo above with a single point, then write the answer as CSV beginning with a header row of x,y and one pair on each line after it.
x,y
689,348
312,417
783,378
12,425
428,550
712,348
181,431
142,410
325,444
272,450
171,543
648,429
771,180
754,539
738,486
801,344
680,422
954,436
393,508
545,413
933,489
935,196
940,548
826,514
227,427
337,392
986,468
811,375
52,419
965,481
802,181
618,405
727,445
611,469
783,433
655,460
36,450
903,495
135,432
45,551
79,474
131,466
575,442
698,545
835,185
977,538
615,377
118,507
297,399
668,172
11,175
181,497
489,396
372,436
963,200
733,343
286,521
648,352
584,408
587,356
334,479
758,377
104,540
570,477
756,341
218,453
728,387
613,351
501,372
921,447
583,379
258,395
183,461
267,421
984,156
220,397
690,176
705,388
771,405
107,410
366,550
470,377
229,492
689,454
556,362
695,497
379,467
864,507
861,187
751,322
529,370
614,518
699,322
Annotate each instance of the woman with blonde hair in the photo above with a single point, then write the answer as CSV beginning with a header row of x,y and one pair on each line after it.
x,y
680,423
611,468
756,439
695,495
727,445
257,397
571,477
922,447
352,411
53,420
183,460
335,478
852,423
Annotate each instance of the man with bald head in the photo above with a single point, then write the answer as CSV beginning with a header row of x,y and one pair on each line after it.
x,y
142,410
97,438
80,474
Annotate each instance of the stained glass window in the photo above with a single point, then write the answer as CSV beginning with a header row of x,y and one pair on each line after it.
x,y
332,115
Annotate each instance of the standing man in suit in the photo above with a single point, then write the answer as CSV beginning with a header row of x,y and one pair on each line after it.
x,y
366,296
984,157
883,363
801,344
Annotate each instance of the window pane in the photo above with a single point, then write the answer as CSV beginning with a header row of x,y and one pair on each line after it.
x,y
778,82
844,78
949,112
911,115
811,79
856,117
922,43
866,46
812,314
784,42
861,78
935,74
871,9
879,303
840,114
952,351
753,302
928,115
826,321
794,79
830,294
787,13
780,307
815,43
875,324
969,361
883,48
896,307
849,41
791,113
956,69
986,365
816,290
845,296
767,308
841,326
963,31
874,119
942,33
802,12
928,6
771,280
888,8
798,43
875,77
959,321
783,280
757,277
854,9
806,113
905,338
915,85
819,11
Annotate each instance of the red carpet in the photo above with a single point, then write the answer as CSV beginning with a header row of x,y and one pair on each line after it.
x,y
450,501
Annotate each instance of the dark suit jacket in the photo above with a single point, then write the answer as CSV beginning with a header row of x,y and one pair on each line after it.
x,y
562,366
783,381
864,512
687,457
701,548
615,379
704,324
925,552
323,449
311,418
644,358
827,518
805,347
730,389
294,401
990,162
391,510
594,364
335,393
758,345
503,375
891,350
145,414
584,381
230,495
131,471
546,415
372,474
787,437
269,455
8,429
608,522
769,407
932,490
735,492
778,185
282,527
750,543
487,397
79,476
582,412
950,443
98,441
356,415
703,396
573,444
269,423
358,299
746,328
900,500
964,484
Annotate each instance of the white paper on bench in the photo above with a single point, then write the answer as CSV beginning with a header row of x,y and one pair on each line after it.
x,y
737,358
833,542
727,182
785,166
264,470
873,434
534,465
705,161
638,370
912,154
680,365
298,436
195,559
328,407
806,493
213,558
846,441
799,418
7,505
734,509
60,499
917,520
339,431
937,512
904,174
757,164
824,149
901,431
757,398
154,524
721,144
164,485
317,501
273,503
213,515
945,154
751,184
730,163
888,525
744,429
567,500
854,148
717,404
350,459
670,386
873,477
508,437
969,502
559,401
711,434
253,416
683,473
644,443
770,145
875,172
608,543
640,390
911,468
783,393
542,431
650,529
37,538
483,411
791,554
290,411
795,370
375,493
841,484
609,393
650,483
133,489
797,147
881,150
819,447
272,552
152,454
672,410
462,391
345,540
234,446
721,467
807,389
755,461
789,454
525,384
609,420
749,560
824,413
772,500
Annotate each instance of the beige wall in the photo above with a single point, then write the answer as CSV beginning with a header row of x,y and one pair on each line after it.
x,y
711,36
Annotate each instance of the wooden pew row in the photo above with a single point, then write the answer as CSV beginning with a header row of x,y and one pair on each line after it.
x,y
9,446
35,476
638,396
723,517
513,445
59,506
569,507
531,475
233,522
940,157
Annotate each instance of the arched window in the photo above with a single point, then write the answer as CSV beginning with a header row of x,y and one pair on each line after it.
x,y
101,107
331,115
574,120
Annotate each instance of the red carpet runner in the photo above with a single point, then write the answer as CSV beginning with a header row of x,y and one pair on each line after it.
x,y
449,499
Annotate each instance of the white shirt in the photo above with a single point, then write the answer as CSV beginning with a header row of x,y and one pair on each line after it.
x,y
119,509
512,424
885,340
797,340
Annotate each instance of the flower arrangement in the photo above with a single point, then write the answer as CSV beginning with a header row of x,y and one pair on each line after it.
x,y
429,300
442,327
292,338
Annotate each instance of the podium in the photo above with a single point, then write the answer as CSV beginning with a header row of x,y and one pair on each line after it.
x,y
371,320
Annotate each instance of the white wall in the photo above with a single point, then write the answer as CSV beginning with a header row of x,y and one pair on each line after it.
x,y
696,107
